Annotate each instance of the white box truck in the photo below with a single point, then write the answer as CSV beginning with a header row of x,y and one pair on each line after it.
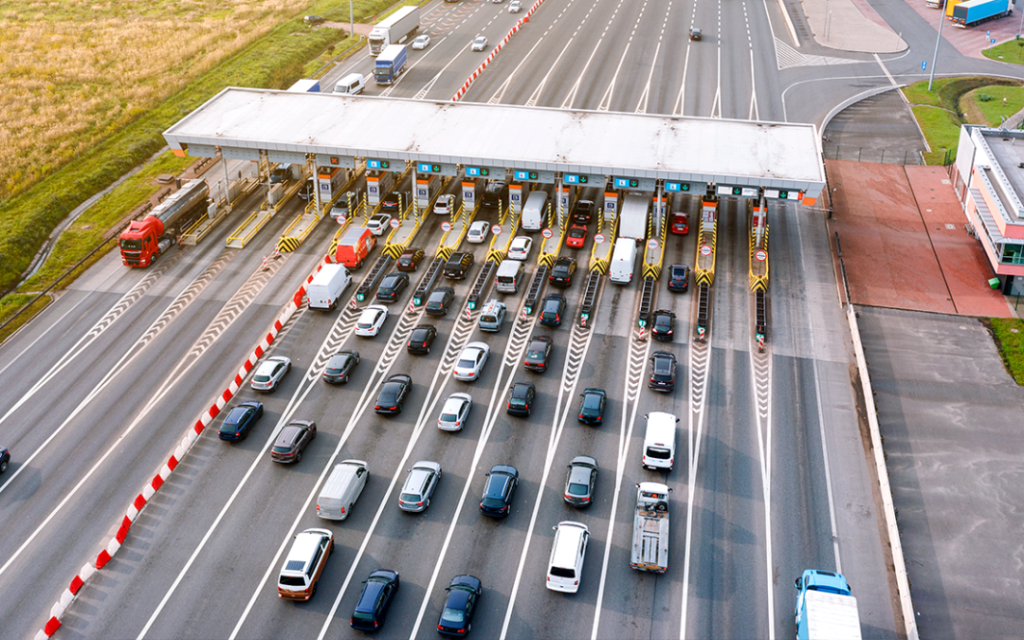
x,y
650,528
394,29
623,261
825,609
633,217
327,285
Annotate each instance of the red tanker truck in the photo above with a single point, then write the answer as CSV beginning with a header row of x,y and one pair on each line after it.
x,y
144,240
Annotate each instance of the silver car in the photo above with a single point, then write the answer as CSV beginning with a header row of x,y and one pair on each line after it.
x,y
421,42
480,43
455,412
472,361
419,486
270,372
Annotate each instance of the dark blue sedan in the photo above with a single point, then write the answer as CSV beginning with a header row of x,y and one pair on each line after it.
x,y
240,421
457,615
5,459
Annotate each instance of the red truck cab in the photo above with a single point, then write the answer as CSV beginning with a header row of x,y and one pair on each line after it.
x,y
139,242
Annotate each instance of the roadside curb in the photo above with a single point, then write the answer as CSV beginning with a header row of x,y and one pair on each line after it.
x,y
515,28
885,489
89,569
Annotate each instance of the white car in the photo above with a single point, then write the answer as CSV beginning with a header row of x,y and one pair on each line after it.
x,y
444,205
455,411
472,361
520,248
371,320
515,6
270,372
421,42
497,1
378,223
480,43
477,232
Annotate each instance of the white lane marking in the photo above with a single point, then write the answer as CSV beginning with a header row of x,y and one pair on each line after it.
x,y
763,421
631,392
754,113
567,103
43,334
557,426
886,72
405,74
642,104
532,101
700,368
821,421
398,336
789,22
499,95
430,85
513,356
606,99
717,104
678,109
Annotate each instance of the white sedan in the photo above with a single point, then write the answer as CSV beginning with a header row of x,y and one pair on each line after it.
x,y
378,223
455,412
421,42
515,6
444,205
520,248
480,43
477,232
371,320
472,361
270,372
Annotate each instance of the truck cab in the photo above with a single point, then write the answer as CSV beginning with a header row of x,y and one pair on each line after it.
x,y
825,608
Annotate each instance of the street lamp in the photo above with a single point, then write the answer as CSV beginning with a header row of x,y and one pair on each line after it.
x,y
938,38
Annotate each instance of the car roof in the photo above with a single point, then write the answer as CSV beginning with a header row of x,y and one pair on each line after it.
x,y
580,473
454,403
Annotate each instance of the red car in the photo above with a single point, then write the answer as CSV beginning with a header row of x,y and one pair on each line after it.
x,y
680,223
576,237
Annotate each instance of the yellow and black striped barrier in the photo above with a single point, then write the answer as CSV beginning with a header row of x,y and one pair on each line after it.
x,y
495,256
445,252
600,265
652,271
288,244
759,268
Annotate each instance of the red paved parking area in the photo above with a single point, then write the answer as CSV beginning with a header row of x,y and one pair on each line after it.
x,y
970,40
901,231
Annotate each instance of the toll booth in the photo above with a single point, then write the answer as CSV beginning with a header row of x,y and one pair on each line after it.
x,y
378,183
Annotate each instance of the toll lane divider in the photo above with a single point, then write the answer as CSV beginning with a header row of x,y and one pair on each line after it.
x,y
90,569
511,32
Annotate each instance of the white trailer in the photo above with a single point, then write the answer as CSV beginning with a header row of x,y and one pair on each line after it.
x,y
650,528
395,29
633,217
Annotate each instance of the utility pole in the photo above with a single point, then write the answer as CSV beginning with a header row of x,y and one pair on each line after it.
x,y
938,39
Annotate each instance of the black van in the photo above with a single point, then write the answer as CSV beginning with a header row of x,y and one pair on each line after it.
x,y
458,266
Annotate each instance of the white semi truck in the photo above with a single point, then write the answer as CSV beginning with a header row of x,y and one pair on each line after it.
x,y
633,217
395,29
825,609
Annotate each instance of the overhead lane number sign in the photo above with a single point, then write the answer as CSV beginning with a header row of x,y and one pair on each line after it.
x,y
497,173
644,184
783,194
529,175
437,168
379,164
685,187
742,192
583,178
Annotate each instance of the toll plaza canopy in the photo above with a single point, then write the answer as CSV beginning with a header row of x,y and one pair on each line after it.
x,y
733,152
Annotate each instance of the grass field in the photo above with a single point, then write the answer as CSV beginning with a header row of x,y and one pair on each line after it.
x,y
1009,336
1012,52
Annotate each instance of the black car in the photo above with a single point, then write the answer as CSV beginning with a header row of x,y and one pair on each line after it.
x,y
561,274
663,371
537,354
240,421
457,615
292,441
679,278
392,286
520,399
421,338
378,593
394,201
439,301
663,322
583,211
458,265
307,190
592,406
340,367
552,310
410,259
5,459
495,193
392,395
499,491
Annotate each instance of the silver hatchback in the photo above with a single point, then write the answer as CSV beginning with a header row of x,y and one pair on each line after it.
x,y
419,486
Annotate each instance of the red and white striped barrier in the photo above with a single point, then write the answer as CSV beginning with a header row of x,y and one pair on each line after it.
x,y
149,490
465,87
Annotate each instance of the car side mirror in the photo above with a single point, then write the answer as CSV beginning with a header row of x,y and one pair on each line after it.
x,y
554,528
677,420
645,417
670,489
796,584
638,485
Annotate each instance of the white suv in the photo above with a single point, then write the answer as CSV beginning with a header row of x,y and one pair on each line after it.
x,y
565,567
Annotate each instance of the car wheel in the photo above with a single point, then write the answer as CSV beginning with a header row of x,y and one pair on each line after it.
x,y
288,368
3,466
298,457
313,431
401,406
312,592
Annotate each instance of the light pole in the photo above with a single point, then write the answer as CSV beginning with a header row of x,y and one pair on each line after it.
x,y
938,39
351,20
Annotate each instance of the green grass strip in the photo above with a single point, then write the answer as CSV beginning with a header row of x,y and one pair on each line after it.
x,y
1009,336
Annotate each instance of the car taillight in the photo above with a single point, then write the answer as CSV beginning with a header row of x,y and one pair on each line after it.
x,y
458,423
586,499
549,578
238,433
342,509
581,416
669,332
575,582
568,497
376,406
419,504
440,628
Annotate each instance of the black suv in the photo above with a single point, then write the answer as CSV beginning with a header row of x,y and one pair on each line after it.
x,y
391,398
421,338
340,366
679,278
378,593
499,491
520,398
552,310
663,371
457,267
583,211
392,286
592,407
561,274
537,354
663,322
495,193
439,301
394,201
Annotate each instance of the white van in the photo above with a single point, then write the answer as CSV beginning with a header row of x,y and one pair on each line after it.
x,y
533,210
342,489
352,84
510,274
327,285
565,568
660,441
492,316
623,261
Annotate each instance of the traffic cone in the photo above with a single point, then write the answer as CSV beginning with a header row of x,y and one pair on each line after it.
x,y
264,263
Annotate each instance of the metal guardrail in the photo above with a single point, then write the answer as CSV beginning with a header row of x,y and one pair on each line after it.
x,y
589,300
433,272
760,318
483,279
703,312
646,301
536,286
373,278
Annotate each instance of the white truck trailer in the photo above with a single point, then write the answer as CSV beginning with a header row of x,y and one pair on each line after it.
x,y
650,528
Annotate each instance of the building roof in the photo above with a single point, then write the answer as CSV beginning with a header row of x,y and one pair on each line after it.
x,y
738,152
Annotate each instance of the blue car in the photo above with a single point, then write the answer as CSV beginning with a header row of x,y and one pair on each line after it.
x,y
5,459
240,421
457,615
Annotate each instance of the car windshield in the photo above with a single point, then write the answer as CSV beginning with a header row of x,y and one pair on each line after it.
x,y
410,497
535,354
576,489
562,572
551,306
492,502
592,401
453,615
